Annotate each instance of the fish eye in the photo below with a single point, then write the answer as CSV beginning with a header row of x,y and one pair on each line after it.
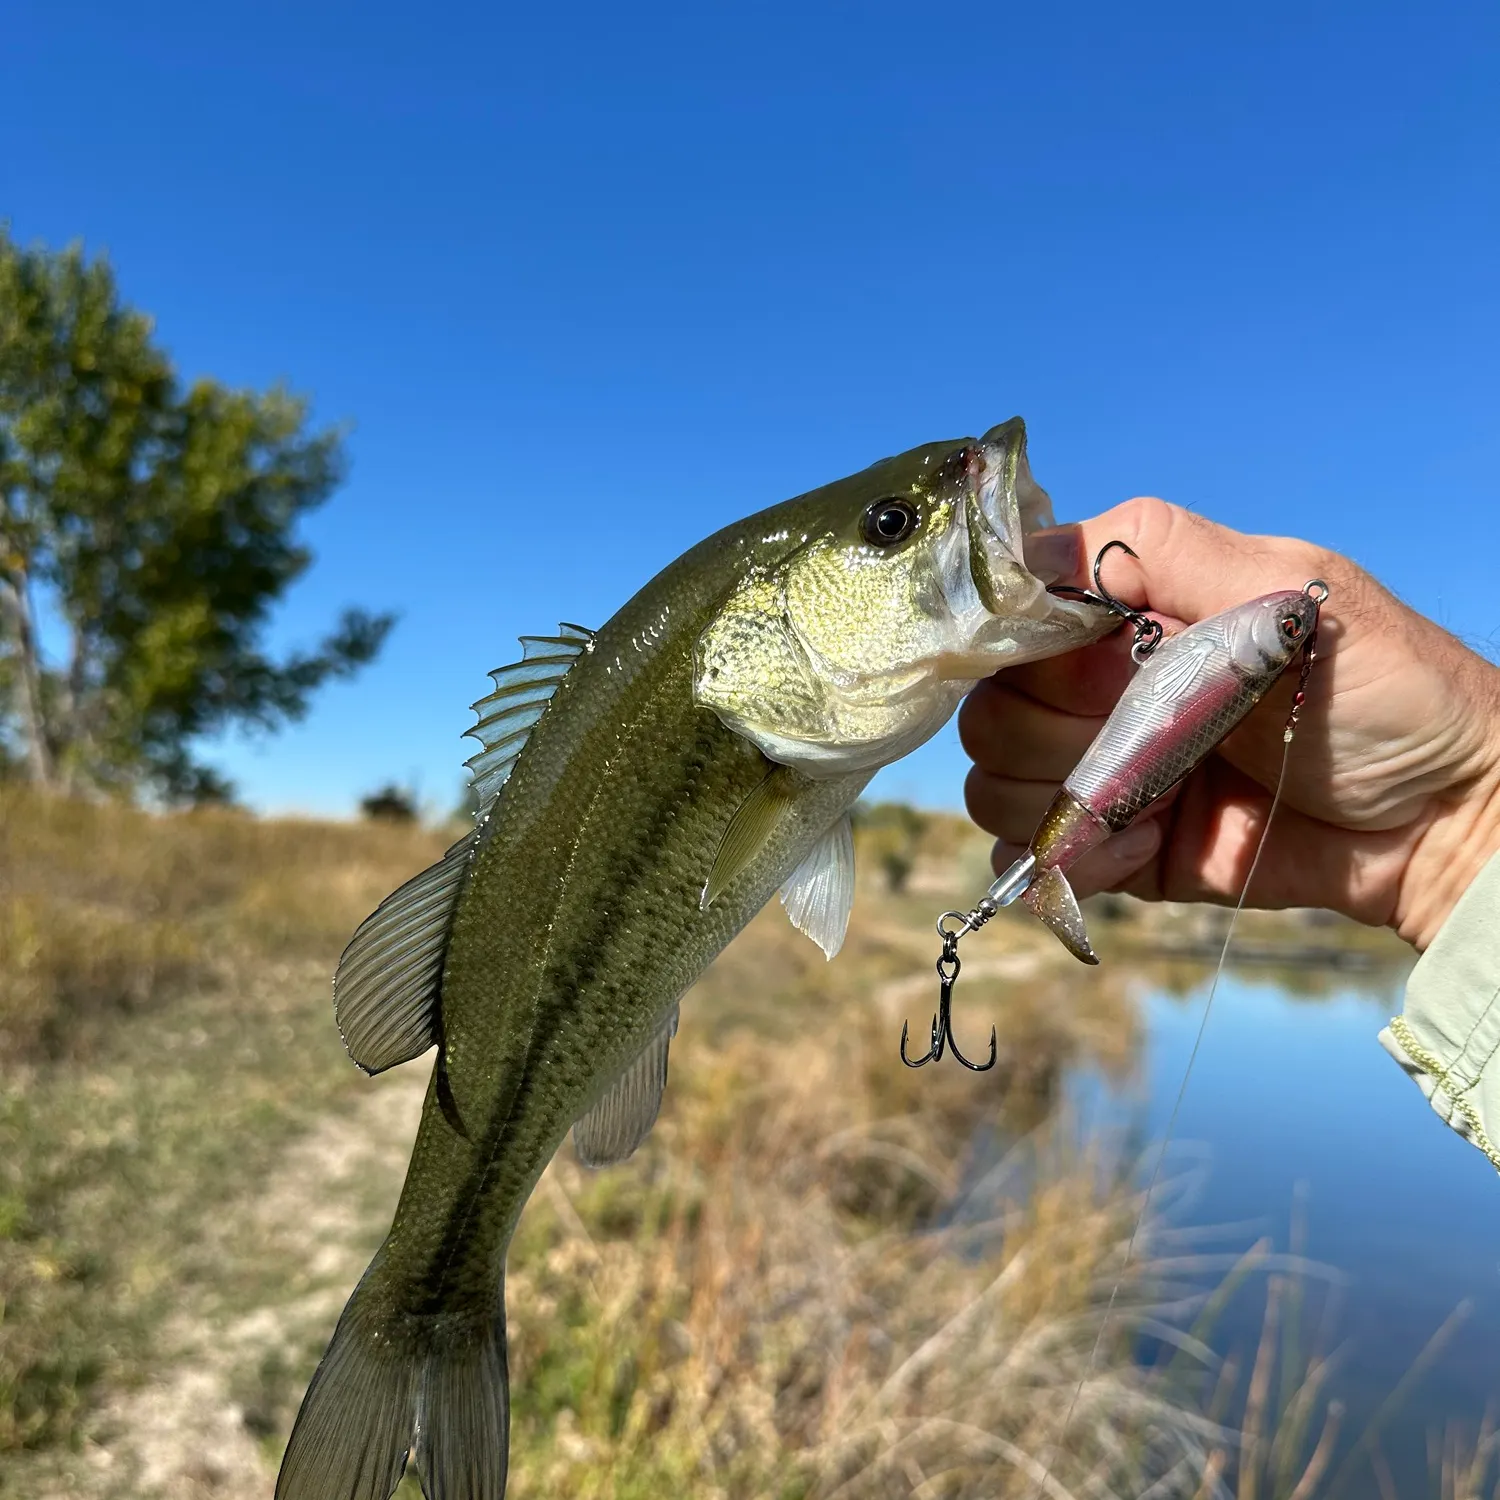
x,y
1291,627
888,522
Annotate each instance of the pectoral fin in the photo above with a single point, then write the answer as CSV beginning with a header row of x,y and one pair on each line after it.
x,y
1051,898
749,830
819,893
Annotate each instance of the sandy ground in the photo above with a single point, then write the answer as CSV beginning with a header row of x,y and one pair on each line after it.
x,y
185,1436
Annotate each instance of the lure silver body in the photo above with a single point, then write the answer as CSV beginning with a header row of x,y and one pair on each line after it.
x,y
1190,693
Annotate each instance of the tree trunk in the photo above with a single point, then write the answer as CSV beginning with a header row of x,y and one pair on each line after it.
x,y
15,602
72,722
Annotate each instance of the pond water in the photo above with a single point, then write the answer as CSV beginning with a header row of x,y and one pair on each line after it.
x,y
1292,1101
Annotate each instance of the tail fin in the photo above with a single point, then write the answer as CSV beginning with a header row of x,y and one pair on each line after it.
x,y
436,1387
1051,898
463,1417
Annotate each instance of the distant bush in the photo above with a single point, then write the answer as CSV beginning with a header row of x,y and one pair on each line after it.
x,y
892,835
391,804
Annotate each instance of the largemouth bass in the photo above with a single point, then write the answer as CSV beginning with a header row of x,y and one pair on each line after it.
x,y
644,790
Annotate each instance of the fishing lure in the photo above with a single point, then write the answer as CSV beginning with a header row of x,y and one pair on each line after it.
x,y
1191,691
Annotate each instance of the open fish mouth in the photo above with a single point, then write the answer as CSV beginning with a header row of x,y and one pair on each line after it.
x,y
1009,502
987,585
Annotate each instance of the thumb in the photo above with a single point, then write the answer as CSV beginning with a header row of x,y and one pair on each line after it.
x,y
1185,568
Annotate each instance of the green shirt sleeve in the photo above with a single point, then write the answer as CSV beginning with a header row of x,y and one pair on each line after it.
x,y
1448,1034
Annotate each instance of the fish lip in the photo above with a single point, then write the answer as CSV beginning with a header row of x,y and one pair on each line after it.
x,y
992,512
1009,499
992,502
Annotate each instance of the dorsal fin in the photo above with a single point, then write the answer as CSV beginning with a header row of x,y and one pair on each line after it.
x,y
385,992
521,693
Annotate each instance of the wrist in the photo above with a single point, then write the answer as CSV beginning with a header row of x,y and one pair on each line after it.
x,y
1461,836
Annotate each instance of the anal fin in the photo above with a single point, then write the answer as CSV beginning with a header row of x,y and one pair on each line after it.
x,y
623,1117
1051,899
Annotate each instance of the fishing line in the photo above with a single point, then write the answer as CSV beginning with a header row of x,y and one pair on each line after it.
x,y
1161,1154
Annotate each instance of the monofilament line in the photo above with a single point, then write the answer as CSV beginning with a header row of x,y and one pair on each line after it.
x,y
1166,1141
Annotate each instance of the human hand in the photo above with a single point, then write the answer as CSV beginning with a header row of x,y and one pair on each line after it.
x,y
1392,797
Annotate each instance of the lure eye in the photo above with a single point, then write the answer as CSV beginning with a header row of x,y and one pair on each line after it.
x,y
1291,627
888,522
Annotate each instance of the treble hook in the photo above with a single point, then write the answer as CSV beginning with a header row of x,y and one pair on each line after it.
x,y
942,1023
1148,632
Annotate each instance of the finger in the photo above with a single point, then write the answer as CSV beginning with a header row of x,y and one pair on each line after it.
x,y
1012,810
1004,855
1106,868
1007,808
1216,832
1009,734
1088,681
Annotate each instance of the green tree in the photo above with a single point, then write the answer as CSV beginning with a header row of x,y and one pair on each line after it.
x,y
158,523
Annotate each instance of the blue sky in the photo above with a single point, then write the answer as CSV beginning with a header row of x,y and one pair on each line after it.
x,y
590,281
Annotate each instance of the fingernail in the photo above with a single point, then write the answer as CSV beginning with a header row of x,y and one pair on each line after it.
x,y
1055,554
1136,844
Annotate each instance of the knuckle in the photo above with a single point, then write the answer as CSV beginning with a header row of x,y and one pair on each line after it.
x,y
972,713
1149,522
992,806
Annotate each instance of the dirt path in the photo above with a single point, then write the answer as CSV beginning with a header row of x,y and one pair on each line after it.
x,y
190,1435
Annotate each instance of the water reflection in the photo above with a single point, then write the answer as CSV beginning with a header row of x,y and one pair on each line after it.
x,y
1292,1102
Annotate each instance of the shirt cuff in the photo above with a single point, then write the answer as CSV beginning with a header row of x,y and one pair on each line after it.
x,y
1448,1035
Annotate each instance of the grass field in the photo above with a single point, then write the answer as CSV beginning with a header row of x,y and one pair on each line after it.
x,y
798,1287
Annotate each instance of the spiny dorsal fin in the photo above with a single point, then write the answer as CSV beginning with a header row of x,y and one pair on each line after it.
x,y
521,693
819,893
749,829
386,986
385,992
623,1118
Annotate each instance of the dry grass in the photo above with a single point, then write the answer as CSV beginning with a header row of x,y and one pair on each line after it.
x,y
105,909
748,1309
823,1276
163,999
